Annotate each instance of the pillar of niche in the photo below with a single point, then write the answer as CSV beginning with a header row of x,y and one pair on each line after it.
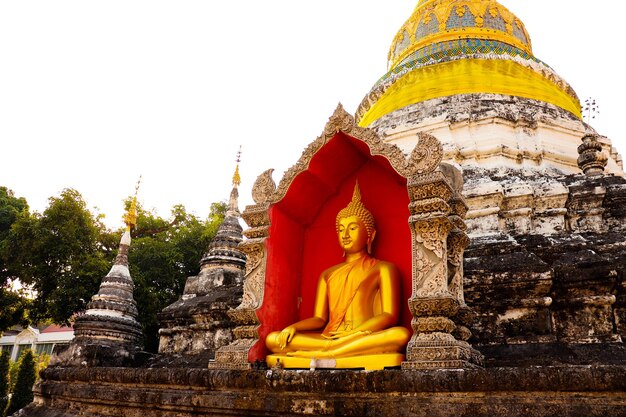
x,y
235,355
438,242
457,242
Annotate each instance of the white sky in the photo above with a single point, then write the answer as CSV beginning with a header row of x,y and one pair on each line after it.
x,y
95,93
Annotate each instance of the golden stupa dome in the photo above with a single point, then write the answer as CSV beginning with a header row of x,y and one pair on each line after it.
x,y
452,47
436,21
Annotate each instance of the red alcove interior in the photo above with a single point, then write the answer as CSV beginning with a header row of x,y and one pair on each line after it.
x,y
303,242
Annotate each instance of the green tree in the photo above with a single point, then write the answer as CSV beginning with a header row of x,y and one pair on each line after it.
x,y
65,252
26,376
14,305
4,381
163,254
14,308
10,209
62,253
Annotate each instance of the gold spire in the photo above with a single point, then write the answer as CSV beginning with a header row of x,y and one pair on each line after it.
x,y
236,176
130,218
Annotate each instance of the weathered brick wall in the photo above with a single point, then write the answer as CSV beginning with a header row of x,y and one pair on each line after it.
x,y
535,391
557,297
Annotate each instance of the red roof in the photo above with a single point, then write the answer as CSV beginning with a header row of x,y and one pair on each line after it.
x,y
54,328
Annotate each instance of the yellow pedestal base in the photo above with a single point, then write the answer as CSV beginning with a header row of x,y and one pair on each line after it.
x,y
368,362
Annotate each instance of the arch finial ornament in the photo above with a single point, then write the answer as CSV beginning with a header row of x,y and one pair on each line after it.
x,y
425,158
263,187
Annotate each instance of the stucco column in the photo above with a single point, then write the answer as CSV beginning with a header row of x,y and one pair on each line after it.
x,y
437,275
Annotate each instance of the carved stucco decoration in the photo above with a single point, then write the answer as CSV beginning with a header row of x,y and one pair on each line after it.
x,y
424,159
457,242
438,242
433,281
429,206
422,268
263,187
253,287
257,218
429,185
426,156
433,324
432,234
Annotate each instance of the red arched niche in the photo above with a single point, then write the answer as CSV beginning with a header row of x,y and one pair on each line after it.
x,y
303,242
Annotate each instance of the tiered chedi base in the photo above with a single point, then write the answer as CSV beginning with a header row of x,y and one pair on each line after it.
x,y
108,333
491,130
198,324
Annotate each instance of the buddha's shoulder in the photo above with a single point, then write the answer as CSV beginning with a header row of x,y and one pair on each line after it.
x,y
385,266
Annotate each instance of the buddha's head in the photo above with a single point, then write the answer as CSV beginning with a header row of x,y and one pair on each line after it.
x,y
355,225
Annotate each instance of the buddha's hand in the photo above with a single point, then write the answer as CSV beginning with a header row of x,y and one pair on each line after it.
x,y
285,336
347,333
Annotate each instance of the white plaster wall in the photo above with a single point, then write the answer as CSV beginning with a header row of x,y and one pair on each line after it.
x,y
498,143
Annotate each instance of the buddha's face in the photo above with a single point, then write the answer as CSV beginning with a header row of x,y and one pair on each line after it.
x,y
352,234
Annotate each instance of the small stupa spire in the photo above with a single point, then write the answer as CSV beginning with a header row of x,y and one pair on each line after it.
x,y
200,317
108,333
233,203
223,250
236,176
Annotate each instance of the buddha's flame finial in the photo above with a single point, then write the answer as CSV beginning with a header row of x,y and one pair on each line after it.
x,y
236,176
356,208
356,194
130,218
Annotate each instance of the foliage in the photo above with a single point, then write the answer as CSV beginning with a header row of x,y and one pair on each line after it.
x,y
4,381
163,254
14,305
61,253
64,253
14,308
13,369
26,376
10,209
42,361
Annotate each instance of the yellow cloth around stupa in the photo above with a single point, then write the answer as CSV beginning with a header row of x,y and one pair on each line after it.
x,y
452,47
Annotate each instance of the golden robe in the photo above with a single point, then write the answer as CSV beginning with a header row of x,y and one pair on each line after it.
x,y
342,286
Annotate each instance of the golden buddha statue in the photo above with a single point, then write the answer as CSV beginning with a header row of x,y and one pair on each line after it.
x,y
357,307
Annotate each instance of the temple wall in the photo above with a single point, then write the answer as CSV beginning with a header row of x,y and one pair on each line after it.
x,y
538,391
546,273
549,314
510,201
545,283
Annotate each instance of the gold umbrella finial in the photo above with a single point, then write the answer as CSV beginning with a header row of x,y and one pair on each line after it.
x,y
236,176
130,218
